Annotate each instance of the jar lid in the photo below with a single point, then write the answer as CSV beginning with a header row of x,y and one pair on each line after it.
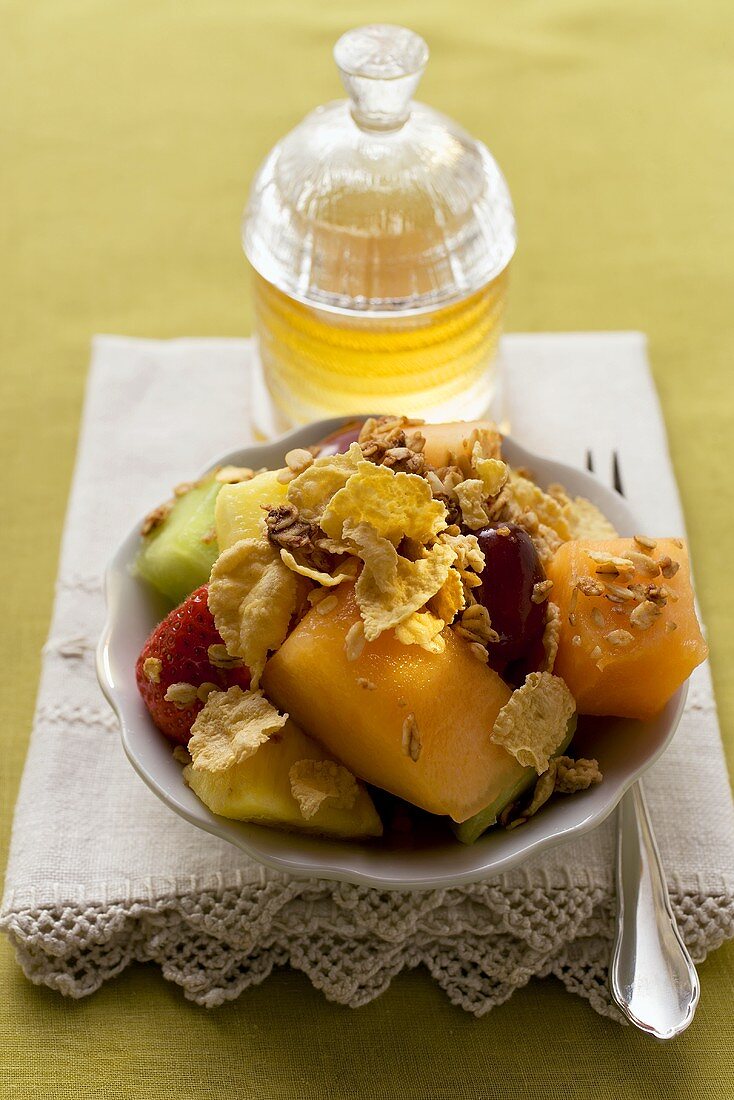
x,y
379,203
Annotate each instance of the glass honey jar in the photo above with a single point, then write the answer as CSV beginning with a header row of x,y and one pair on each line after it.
x,y
380,235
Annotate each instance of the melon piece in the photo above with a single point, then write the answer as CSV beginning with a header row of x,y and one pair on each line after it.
x,y
518,785
414,723
615,662
241,508
177,555
452,443
259,790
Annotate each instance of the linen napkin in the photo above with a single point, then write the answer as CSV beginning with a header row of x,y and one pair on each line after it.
x,y
101,873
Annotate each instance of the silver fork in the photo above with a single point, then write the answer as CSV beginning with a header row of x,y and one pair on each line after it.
x,y
652,977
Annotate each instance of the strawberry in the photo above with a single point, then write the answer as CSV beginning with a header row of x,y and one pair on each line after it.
x,y
178,659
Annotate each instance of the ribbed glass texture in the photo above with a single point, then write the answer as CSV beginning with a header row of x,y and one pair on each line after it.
x,y
374,209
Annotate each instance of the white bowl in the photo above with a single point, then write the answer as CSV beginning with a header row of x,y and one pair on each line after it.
x,y
624,748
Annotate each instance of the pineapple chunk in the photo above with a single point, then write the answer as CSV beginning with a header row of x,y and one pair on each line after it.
x,y
261,789
239,509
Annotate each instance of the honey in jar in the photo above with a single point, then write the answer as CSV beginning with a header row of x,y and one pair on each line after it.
x,y
380,235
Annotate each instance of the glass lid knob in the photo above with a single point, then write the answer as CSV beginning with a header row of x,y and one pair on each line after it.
x,y
380,67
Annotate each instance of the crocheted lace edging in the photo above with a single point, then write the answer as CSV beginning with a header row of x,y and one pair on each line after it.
x,y
479,943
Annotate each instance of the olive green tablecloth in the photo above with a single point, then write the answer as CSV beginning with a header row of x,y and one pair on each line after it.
x,y
129,132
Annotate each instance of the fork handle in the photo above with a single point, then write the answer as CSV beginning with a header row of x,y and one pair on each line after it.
x,y
652,976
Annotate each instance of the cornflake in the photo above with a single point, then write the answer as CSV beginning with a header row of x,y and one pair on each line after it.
x,y
327,580
252,596
471,496
469,554
450,598
424,629
587,522
484,442
529,497
533,723
396,506
492,472
384,605
231,727
558,492
312,490
314,782
378,554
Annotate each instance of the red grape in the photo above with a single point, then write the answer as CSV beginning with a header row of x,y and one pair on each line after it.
x,y
341,440
512,568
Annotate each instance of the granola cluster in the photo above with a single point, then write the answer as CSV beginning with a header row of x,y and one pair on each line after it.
x,y
395,442
564,776
306,541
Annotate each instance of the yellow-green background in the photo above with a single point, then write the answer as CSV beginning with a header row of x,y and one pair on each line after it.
x,y
129,131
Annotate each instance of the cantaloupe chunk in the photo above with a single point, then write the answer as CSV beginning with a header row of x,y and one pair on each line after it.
x,y
259,789
611,665
240,508
394,700
453,442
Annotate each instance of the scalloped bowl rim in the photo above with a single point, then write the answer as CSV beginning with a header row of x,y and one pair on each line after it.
x,y
130,617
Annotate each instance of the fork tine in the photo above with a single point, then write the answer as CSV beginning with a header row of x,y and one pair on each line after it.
x,y
616,474
589,462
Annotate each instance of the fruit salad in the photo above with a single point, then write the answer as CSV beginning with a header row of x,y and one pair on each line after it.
x,y
397,624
